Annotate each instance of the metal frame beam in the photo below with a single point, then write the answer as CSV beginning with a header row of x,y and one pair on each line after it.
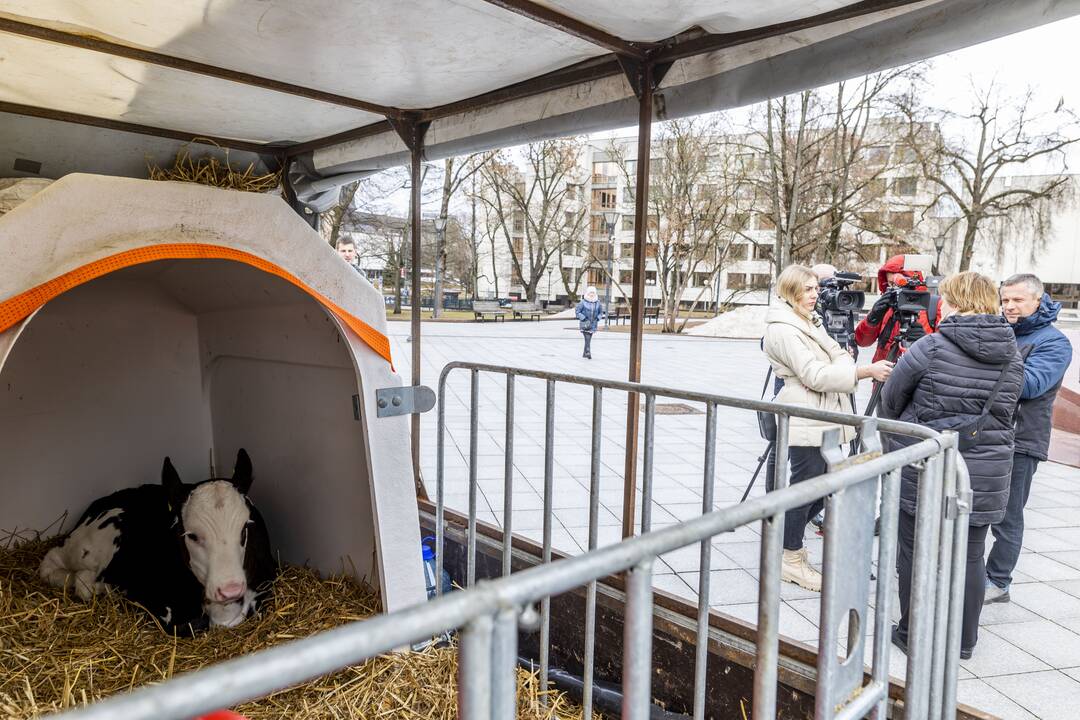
x,y
566,24
108,47
119,125
412,130
643,78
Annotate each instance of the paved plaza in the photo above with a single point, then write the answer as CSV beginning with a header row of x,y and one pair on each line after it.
x,y
1027,662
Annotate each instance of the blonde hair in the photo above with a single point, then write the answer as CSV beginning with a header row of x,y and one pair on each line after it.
x,y
790,284
971,293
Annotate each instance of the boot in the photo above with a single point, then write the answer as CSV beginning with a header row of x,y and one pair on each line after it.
x,y
798,570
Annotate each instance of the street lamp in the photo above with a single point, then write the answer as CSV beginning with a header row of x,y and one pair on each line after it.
x,y
610,218
437,301
939,243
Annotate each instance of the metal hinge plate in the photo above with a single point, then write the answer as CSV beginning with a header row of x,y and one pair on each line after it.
x,y
404,400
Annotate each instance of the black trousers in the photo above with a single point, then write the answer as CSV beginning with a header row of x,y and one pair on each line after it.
x,y
1009,533
974,578
588,342
806,463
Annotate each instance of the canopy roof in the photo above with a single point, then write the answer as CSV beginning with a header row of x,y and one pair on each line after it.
x,y
102,87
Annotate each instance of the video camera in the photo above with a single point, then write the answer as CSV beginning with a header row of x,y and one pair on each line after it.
x,y
838,305
910,296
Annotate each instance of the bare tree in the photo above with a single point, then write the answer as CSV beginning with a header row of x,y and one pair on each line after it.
x,y
455,173
816,162
530,206
996,135
693,202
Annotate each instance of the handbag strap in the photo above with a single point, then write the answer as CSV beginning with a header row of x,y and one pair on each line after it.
x,y
765,387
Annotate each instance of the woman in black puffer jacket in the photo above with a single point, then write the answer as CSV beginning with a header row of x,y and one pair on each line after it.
x,y
943,382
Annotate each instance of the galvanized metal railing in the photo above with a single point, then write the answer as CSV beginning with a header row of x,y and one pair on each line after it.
x,y
937,583
489,612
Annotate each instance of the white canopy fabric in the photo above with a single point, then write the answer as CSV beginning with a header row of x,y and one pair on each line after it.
x,y
312,80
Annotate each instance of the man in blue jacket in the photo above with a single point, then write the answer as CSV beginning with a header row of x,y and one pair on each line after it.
x,y
1047,354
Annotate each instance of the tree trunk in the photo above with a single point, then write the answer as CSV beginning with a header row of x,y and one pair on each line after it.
x,y
970,228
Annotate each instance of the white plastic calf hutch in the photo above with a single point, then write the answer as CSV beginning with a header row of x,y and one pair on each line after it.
x,y
141,319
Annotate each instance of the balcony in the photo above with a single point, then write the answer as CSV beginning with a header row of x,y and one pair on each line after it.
x,y
604,180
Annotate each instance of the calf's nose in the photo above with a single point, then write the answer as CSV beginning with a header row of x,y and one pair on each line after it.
x,y
230,591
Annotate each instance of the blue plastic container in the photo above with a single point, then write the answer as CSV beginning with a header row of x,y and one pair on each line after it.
x,y
429,568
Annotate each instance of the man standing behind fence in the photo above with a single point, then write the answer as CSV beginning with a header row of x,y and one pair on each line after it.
x,y
1047,354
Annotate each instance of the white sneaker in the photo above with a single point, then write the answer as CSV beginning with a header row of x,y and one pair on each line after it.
x,y
798,570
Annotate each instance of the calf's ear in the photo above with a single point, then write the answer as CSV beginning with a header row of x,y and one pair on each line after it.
x,y
242,474
174,488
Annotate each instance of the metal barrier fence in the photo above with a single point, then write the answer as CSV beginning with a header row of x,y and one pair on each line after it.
x,y
489,612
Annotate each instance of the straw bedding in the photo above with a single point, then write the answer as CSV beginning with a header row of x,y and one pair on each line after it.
x,y
57,652
208,170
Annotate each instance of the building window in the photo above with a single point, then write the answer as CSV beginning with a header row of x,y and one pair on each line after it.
x,y
596,276
603,199
654,223
628,223
650,277
902,220
701,279
515,277
870,221
744,161
874,188
762,252
597,226
519,221
573,192
519,246
877,155
651,250
599,250
765,222
905,186
760,281
736,281
740,221
626,277
905,154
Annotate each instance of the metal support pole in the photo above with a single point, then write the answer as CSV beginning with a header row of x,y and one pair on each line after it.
x,y
508,478
772,551
590,596
474,670
474,429
549,489
412,132
701,650
923,593
610,277
637,302
504,665
637,644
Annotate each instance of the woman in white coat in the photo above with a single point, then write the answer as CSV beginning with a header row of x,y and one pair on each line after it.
x,y
818,374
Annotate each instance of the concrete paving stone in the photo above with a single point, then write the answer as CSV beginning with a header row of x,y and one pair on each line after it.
x,y
1054,498
726,587
1010,612
1045,601
1070,515
677,495
579,517
745,533
688,559
1045,569
978,694
994,655
1037,519
792,625
1048,694
1042,541
1070,586
746,555
675,585
1053,644
1067,557
1070,535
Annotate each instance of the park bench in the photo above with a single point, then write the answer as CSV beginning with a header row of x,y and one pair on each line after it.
x,y
652,314
617,313
526,310
490,307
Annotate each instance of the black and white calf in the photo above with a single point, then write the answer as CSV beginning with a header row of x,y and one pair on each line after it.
x,y
193,555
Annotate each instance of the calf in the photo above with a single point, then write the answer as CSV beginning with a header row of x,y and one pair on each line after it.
x,y
192,555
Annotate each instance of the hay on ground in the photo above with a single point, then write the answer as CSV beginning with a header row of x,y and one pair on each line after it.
x,y
57,652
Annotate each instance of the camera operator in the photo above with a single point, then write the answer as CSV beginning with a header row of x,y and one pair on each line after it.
x,y
882,323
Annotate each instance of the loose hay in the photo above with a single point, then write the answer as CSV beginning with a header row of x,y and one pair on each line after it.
x,y
208,170
58,652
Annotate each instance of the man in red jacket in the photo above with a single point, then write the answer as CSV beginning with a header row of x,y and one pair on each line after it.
x,y
880,318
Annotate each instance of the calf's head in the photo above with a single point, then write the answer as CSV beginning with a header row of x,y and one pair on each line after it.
x,y
213,518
